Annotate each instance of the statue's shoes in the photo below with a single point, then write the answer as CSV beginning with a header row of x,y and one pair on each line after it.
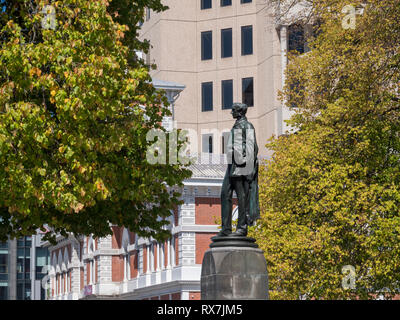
x,y
239,233
224,233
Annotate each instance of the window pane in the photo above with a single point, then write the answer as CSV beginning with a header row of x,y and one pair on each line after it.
x,y
3,291
206,45
247,40
207,96
205,4
4,244
226,43
248,91
20,291
245,1
225,139
296,38
3,263
227,94
226,3
207,143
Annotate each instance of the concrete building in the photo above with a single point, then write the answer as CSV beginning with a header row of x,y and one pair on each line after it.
x,y
22,267
223,51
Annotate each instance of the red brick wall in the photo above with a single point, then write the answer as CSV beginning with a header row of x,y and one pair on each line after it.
x,y
116,237
144,258
117,268
203,241
207,210
154,298
176,217
131,237
134,264
164,297
194,296
166,253
87,272
176,251
176,296
96,266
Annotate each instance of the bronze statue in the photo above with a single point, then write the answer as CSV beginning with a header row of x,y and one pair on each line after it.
x,y
241,175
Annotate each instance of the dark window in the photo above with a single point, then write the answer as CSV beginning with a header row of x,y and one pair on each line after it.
x,y
247,40
205,4
226,3
206,96
3,291
225,139
296,38
226,43
207,143
206,45
23,290
245,1
147,14
227,94
3,261
248,91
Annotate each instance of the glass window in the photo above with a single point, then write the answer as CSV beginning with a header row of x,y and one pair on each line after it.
x,y
227,94
4,245
226,43
248,91
3,262
226,3
20,291
206,45
207,142
206,96
225,139
247,40
3,290
147,14
245,1
205,4
296,38
21,242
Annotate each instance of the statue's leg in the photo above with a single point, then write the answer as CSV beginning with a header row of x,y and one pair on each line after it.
x,y
226,207
242,191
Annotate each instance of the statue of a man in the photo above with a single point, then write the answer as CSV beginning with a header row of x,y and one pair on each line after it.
x,y
241,175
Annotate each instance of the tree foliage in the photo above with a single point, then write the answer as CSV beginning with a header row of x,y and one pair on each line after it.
x,y
330,195
72,122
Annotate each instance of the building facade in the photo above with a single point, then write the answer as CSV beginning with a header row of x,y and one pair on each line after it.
x,y
223,51
125,266
23,265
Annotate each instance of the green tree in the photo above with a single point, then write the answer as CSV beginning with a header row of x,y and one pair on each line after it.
x,y
330,194
76,105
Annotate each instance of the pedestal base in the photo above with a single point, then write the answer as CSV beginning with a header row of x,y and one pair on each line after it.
x,y
235,269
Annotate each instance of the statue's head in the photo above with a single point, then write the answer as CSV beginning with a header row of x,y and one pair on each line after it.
x,y
238,110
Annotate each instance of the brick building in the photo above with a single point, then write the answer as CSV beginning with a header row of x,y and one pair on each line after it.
x,y
125,266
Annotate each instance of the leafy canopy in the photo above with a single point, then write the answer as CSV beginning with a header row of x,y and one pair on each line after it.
x,y
330,195
72,129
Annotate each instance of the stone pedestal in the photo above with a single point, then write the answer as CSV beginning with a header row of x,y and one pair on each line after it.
x,y
234,269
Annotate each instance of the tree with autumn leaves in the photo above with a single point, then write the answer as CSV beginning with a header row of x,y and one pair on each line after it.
x,y
330,194
76,104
